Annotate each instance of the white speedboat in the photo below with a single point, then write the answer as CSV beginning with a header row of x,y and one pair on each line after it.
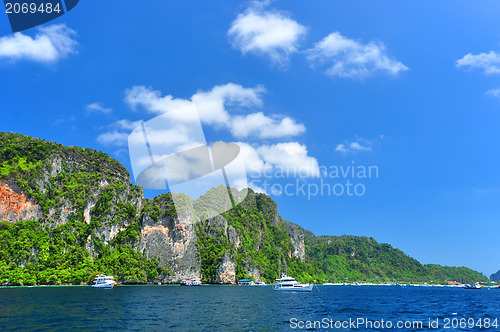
x,y
286,283
103,281
474,286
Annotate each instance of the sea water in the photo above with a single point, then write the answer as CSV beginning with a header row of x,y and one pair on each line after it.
x,y
237,308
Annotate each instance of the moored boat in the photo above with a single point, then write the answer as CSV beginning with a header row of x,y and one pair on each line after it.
x,y
286,283
190,283
473,286
104,281
246,282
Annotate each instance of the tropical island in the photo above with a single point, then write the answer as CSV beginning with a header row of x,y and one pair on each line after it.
x,y
68,214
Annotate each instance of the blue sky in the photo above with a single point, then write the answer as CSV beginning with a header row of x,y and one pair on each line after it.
x,y
412,88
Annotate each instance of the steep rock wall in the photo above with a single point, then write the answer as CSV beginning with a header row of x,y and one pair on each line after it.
x,y
172,243
56,185
14,205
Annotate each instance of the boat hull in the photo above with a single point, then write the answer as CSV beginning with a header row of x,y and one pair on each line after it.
x,y
308,288
473,286
190,283
103,285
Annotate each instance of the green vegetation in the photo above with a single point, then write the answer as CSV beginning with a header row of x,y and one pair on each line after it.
x,y
160,207
48,252
83,193
265,244
211,245
76,175
353,258
31,254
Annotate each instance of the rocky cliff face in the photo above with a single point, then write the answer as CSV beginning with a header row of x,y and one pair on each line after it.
x,y
55,185
14,205
68,213
173,243
181,242
297,238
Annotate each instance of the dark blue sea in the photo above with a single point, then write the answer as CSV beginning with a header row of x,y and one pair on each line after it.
x,y
233,308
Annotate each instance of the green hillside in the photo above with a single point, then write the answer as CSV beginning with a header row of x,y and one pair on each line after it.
x,y
88,218
353,258
47,252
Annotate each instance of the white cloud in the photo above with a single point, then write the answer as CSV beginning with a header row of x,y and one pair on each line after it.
x,y
163,138
97,107
262,126
175,129
355,146
212,108
494,93
168,138
118,133
253,162
51,44
113,137
344,57
291,157
211,105
127,124
267,33
489,62
152,101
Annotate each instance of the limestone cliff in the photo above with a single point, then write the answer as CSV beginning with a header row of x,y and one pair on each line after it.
x,y
57,185
67,214
297,238
223,248
169,239
14,205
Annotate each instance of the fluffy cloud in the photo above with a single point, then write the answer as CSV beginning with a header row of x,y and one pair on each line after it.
x,y
291,157
344,57
212,109
177,128
152,101
97,107
488,62
272,34
355,146
118,132
114,137
494,93
262,126
211,105
253,162
51,44
172,139
162,135
127,124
